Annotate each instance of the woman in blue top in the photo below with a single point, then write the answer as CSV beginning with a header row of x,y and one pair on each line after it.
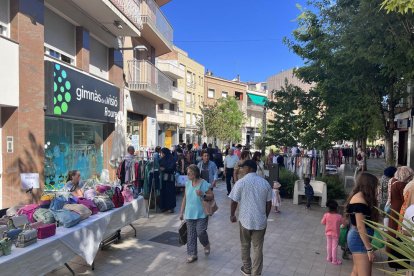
x,y
196,190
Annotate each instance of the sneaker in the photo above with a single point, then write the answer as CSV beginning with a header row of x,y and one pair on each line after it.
x,y
245,272
191,259
207,250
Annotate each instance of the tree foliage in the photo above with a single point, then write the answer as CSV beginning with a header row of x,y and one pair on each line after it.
x,y
223,121
401,6
360,59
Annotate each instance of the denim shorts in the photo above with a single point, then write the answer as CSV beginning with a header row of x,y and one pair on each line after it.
x,y
355,243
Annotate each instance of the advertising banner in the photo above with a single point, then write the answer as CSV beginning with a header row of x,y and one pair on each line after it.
x,y
75,95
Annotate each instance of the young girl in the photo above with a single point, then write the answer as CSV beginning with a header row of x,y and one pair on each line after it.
x,y
332,221
276,196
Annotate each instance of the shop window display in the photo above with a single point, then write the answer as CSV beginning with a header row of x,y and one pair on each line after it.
x,y
72,145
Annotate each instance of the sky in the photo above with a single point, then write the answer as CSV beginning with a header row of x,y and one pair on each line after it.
x,y
231,37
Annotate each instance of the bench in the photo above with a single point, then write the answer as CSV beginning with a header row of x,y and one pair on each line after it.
x,y
319,189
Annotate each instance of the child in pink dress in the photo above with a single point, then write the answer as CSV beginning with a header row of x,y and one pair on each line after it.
x,y
276,201
332,221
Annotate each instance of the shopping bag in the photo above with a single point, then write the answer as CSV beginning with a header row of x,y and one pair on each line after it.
x,y
182,233
377,244
342,236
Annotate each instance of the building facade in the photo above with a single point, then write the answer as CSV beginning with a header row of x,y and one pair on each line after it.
x,y
217,88
168,116
255,111
63,90
147,86
190,95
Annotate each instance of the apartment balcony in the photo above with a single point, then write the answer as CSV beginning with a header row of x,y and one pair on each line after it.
x,y
156,28
162,2
169,116
177,94
143,77
9,79
118,17
171,68
254,107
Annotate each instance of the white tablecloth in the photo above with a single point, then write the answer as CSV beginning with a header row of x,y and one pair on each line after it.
x,y
82,239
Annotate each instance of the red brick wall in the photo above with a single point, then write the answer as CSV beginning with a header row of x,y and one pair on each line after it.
x,y
26,123
82,53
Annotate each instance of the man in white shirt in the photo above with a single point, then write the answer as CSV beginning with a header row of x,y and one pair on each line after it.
x,y
254,195
229,163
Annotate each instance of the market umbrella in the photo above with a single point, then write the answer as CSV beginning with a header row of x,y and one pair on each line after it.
x,y
118,143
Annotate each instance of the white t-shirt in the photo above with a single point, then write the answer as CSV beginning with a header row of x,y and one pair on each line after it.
x,y
409,216
230,161
252,192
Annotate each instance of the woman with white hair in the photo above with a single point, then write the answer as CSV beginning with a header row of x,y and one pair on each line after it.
x,y
403,175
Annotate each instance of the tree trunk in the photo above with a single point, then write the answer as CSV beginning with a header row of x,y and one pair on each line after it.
x,y
323,163
354,147
389,150
364,149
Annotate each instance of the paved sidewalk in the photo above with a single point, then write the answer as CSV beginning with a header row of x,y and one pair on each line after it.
x,y
294,245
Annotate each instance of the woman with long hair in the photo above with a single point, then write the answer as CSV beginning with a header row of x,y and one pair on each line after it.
x,y
361,205
238,169
74,183
196,190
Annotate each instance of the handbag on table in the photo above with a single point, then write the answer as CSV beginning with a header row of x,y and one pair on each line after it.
x,y
182,233
27,237
89,204
128,194
44,230
44,215
58,203
89,194
104,203
12,233
5,246
117,198
81,209
28,210
3,228
18,221
66,218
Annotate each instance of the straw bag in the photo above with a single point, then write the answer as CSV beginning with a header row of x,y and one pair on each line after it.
x,y
209,206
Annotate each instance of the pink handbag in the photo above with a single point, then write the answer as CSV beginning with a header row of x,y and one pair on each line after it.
x,y
28,210
127,194
102,188
44,230
90,204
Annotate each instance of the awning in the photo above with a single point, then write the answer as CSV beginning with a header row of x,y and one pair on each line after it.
x,y
256,99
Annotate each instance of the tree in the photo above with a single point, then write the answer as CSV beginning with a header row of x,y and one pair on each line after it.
x,y
223,121
401,6
360,59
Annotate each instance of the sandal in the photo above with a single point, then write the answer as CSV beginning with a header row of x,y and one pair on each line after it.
x,y
191,259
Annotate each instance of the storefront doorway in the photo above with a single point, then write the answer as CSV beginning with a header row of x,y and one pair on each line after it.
x,y
168,139
135,130
402,147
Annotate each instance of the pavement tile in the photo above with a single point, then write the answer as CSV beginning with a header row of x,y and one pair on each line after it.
x,y
294,245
